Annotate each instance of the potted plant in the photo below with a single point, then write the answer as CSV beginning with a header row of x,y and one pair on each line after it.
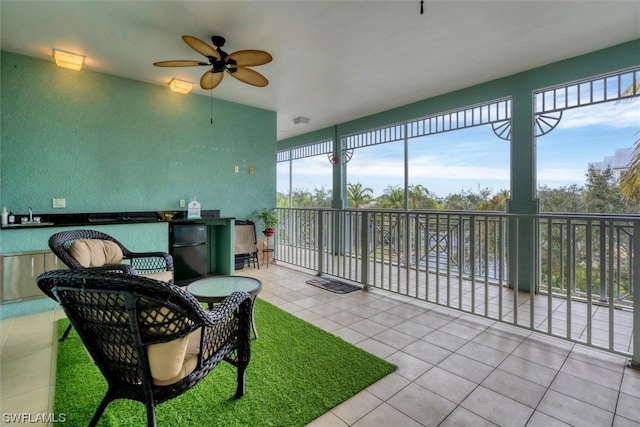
x,y
269,221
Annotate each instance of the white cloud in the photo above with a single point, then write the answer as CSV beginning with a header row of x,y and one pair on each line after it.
x,y
615,115
570,176
427,167
461,172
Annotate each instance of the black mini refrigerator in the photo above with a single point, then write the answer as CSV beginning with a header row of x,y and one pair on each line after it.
x,y
188,243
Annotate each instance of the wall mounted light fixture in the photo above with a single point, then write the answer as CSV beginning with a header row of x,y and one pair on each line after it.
x,y
68,60
180,86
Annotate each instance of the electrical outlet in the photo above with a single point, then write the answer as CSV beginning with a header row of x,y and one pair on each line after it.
x,y
183,203
59,203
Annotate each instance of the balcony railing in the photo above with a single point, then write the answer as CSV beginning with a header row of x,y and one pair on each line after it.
x,y
581,286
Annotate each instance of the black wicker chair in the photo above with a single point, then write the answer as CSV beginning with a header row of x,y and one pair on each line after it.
x,y
144,263
120,317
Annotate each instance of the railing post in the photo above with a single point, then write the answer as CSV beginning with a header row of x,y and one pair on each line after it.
x,y
364,249
603,265
320,240
635,356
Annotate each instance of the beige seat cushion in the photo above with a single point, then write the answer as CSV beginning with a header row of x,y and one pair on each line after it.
x,y
96,252
171,361
162,276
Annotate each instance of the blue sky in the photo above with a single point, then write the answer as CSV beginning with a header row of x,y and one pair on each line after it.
x,y
471,158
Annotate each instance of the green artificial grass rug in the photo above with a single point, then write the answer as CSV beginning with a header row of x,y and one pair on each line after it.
x,y
297,372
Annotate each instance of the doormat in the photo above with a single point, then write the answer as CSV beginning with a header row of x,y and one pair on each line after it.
x,y
333,285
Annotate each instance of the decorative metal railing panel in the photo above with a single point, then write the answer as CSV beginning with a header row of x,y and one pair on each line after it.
x,y
588,257
309,150
585,266
611,87
492,112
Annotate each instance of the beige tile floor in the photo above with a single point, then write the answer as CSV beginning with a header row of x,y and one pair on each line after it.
x,y
453,369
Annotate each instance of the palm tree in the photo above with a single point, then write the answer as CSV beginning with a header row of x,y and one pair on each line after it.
x,y
421,198
497,203
357,195
630,182
393,198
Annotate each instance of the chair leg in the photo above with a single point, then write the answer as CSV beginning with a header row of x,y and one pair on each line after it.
x,y
65,334
151,415
100,410
244,342
253,320
240,388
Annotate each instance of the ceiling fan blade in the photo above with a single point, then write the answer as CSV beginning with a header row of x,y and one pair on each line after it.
x,y
249,58
249,76
210,80
201,47
179,63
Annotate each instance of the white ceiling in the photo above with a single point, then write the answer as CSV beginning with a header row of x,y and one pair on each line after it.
x,y
334,61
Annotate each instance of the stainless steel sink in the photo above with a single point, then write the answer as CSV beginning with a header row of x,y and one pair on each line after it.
x,y
29,224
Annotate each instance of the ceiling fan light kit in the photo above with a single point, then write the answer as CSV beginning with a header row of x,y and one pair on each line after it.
x,y
68,60
180,86
220,61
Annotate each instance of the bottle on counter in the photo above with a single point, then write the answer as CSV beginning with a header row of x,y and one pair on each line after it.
x,y
12,218
5,216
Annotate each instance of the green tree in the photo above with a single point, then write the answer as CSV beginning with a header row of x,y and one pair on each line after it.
x,y
602,195
564,199
466,200
497,202
321,198
421,198
358,196
392,198
282,200
630,182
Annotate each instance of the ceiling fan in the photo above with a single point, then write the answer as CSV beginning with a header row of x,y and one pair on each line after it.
x,y
220,61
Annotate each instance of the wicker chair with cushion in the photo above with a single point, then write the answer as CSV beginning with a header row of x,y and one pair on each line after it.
x,y
91,248
151,340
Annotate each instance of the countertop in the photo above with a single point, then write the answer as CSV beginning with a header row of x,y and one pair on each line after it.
x,y
106,218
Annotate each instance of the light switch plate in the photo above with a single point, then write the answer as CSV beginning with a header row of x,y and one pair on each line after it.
x,y
182,203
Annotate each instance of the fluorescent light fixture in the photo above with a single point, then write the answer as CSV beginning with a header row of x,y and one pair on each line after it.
x,y
301,120
180,86
68,60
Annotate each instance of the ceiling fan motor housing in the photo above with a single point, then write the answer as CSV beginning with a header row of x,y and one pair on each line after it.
x,y
218,41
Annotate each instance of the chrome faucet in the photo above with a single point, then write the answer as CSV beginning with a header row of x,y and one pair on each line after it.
x,y
30,215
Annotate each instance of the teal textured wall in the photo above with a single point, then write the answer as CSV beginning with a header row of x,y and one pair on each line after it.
x,y
107,143
150,237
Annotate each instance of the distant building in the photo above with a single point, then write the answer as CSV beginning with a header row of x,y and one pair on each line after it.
x,y
619,162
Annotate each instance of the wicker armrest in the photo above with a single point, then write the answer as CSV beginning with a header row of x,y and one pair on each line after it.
x,y
227,307
114,268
